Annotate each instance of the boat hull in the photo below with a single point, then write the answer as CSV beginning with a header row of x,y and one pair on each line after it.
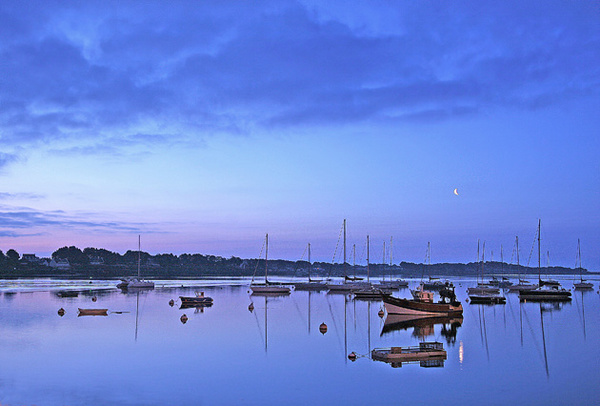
x,y
545,295
583,285
270,289
487,299
310,286
92,312
395,305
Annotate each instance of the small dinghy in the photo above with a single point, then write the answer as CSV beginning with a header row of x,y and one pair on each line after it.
x,y
92,312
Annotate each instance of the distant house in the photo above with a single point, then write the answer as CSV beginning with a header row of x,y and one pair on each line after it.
x,y
30,258
60,263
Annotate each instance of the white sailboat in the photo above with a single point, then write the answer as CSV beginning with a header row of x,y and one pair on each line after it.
x,y
136,283
523,284
482,287
348,284
312,284
268,287
582,284
546,291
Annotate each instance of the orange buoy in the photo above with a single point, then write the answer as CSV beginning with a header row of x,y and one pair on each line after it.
x,y
323,328
61,312
381,313
184,319
251,307
171,302
467,300
94,299
352,356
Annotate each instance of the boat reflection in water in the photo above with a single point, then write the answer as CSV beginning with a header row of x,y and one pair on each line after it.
x,y
427,354
423,326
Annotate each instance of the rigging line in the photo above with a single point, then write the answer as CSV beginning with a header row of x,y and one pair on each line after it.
x,y
337,244
532,247
258,260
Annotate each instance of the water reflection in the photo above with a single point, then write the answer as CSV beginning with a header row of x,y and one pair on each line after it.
x,y
551,346
423,327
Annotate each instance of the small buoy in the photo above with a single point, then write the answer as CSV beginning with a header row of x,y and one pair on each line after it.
x,y
90,281
381,313
184,319
323,328
94,299
171,302
352,356
61,312
467,300
251,307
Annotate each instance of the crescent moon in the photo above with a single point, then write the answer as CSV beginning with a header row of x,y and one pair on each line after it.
x,y
456,191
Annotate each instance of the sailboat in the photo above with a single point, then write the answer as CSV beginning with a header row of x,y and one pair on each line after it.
x,y
368,292
582,284
136,283
484,293
482,288
523,284
312,284
545,291
267,287
349,283
391,284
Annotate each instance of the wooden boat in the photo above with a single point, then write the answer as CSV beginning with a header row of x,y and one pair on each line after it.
x,y
268,287
92,312
447,306
426,351
67,293
199,299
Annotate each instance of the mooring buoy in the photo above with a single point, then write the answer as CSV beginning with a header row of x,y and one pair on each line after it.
x,y
323,328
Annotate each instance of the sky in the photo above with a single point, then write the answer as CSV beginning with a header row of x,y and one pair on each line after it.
x,y
202,126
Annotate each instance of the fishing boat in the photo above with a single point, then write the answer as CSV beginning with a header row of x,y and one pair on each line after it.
x,y
92,312
311,284
267,287
136,283
429,354
545,291
425,305
582,284
199,299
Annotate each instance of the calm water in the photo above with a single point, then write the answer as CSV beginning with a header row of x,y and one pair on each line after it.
x,y
142,354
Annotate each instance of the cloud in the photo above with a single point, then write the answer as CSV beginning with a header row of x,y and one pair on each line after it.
x,y
29,196
6,159
97,76
31,220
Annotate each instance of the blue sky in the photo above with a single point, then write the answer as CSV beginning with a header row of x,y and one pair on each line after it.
x,y
204,125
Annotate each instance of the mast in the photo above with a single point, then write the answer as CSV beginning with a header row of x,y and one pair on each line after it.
x,y
539,253
383,261
391,251
368,271
139,253
266,259
345,273
309,264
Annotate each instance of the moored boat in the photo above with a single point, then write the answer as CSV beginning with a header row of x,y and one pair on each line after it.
x,y
268,287
92,312
199,299
447,306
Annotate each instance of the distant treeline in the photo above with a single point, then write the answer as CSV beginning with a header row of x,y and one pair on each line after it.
x,y
101,263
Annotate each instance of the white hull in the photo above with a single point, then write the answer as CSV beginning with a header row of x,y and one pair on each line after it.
x,y
269,289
